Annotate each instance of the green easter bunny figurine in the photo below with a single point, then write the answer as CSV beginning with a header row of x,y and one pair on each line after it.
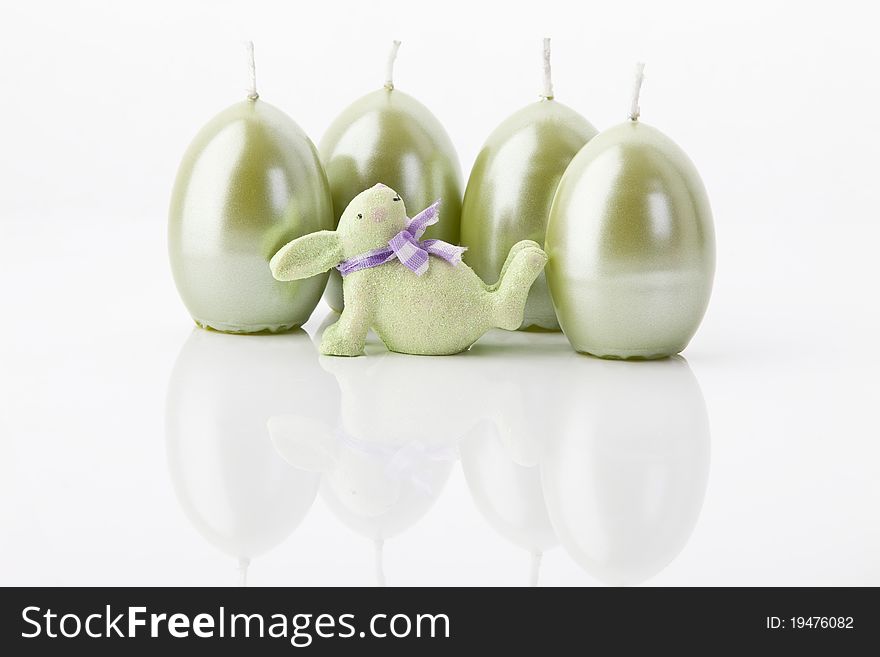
x,y
415,294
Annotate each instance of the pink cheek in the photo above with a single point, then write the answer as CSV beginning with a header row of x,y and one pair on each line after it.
x,y
378,214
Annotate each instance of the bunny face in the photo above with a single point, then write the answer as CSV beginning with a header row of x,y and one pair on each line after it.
x,y
371,219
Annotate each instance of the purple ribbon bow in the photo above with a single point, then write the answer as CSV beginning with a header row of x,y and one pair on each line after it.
x,y
406,247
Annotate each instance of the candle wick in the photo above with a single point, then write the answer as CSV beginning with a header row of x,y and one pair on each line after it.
x,y
547,93
535,570
389,67
378,561
243,564
252,69
635,110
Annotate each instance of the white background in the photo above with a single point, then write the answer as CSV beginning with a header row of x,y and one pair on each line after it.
x,y
775,103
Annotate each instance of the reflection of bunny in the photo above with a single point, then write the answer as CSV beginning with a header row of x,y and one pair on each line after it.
x,y
441,308
384,460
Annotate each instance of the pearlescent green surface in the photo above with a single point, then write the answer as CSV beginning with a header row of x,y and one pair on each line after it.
x,y
631,246
389,137
510,190
250,182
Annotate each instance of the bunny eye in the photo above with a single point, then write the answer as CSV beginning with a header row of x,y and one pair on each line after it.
x,y
360,216
396,198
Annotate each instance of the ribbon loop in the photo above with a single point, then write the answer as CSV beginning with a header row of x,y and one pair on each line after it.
x,y
427,217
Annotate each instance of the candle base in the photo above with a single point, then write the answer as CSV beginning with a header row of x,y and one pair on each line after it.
x,y
537,328
632,354
248,329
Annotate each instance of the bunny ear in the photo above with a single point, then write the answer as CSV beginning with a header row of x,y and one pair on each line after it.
x,y
307,256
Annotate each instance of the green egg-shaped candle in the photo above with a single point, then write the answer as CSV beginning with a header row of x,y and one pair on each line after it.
x,y
511,188
391,138
249,182
631,245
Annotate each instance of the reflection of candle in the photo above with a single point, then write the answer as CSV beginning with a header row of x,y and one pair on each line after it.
x,y
631,244
512,185
389,137
625,468
250,182
507,492
234,488
500,458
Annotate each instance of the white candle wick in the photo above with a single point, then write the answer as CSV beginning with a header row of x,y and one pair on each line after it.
x,y
535,570
547,93
389,67
378,554
252,69
243,564
635,110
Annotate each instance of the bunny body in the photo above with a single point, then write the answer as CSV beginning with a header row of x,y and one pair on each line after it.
x,y
442,311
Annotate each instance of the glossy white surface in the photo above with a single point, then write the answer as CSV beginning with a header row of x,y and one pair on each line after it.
x,y
153,453
137,452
